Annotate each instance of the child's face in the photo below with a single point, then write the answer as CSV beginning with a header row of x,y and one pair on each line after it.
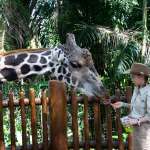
x,y
138,79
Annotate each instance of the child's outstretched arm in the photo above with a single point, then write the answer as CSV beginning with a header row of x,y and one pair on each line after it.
x,y
120,104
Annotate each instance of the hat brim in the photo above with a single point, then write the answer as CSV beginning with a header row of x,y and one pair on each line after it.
x,y
127,71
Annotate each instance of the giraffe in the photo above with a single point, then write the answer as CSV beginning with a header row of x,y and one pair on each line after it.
x,y
66,62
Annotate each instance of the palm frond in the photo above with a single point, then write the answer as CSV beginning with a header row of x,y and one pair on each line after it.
x,y
105,36
117,49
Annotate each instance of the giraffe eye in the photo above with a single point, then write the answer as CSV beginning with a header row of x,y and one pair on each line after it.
x,y
75,64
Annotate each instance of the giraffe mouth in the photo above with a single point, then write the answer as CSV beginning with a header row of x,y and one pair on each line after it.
x,y
100,94
92,91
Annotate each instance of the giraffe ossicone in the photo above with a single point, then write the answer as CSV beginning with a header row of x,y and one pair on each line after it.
x,y
68,62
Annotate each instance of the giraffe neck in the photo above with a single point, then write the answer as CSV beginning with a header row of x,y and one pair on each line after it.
x,y
21,65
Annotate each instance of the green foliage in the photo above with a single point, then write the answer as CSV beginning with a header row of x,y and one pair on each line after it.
x,y
120,11
100,26
18,128
40,84
118,61
115,13
110,29
17,18
44,22
25,20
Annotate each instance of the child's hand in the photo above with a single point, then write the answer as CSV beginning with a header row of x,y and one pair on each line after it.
x,y
131,122
128,121
117,105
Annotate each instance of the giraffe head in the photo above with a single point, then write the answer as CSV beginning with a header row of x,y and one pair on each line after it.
x,y
66,62
84,75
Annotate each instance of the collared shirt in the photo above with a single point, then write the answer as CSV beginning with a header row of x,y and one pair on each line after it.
x,y
140,102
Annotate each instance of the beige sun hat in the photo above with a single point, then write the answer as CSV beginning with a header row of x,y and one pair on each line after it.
x,y
139,68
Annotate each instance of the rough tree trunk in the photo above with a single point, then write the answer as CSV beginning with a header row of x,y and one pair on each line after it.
x,y
144,27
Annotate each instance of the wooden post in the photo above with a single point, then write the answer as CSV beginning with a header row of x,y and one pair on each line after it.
x,y
118,123
58,115
86,124
45,120
74,105
33,119
128,96
12,121
2,145
23,120
109,123
97,124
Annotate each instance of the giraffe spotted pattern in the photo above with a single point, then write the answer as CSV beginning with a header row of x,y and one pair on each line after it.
x,y
68,63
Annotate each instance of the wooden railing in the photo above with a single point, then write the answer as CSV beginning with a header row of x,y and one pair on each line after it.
x,y
54,121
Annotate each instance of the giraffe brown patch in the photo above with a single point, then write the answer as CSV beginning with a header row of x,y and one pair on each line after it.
x,y
25,69
59,69
33,58
43,60
21,57
51,64
68,79
14,61
37,68
10,60
9,74
68,74
60,77
44,66
64,71
53,70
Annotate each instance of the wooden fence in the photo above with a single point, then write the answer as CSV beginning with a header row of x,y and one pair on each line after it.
x,y
54,116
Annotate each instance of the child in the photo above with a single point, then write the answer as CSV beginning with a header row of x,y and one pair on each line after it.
x,y
139,116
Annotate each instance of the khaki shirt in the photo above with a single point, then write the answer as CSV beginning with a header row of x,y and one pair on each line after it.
x,y
140,102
